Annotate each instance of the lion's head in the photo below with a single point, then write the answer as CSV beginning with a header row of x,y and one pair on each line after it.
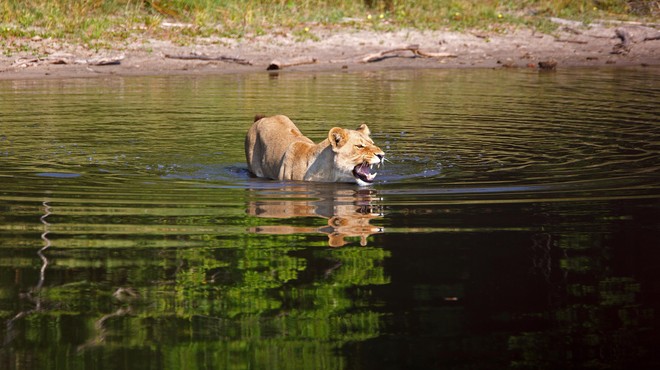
x,y
355,154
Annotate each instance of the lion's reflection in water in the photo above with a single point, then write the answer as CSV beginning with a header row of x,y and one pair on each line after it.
x,y
348,210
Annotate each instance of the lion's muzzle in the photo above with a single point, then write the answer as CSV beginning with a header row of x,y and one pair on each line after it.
x,y
362,172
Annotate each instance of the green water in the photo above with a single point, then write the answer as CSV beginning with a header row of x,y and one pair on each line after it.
x,y
514,226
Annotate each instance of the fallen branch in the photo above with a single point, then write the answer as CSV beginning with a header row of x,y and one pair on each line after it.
x,y
548,65
572,41
23,62
275,64
629,23
624,46
654,37
377,57
99,61
412,48
426,54
220,58
102,61
571,30
58,61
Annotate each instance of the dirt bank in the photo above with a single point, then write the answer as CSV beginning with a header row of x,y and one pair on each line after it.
x,y
573,45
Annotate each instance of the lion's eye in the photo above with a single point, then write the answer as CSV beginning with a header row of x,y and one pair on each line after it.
x,y
359,146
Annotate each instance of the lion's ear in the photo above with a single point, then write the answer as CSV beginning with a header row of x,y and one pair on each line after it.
x,y
337,137
364,129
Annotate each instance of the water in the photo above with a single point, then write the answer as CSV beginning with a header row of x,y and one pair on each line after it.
x,y
515,226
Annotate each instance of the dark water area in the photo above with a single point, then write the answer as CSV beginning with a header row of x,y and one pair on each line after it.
x,y
515,226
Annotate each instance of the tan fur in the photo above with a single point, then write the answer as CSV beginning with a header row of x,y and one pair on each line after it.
x,y
276,149
348,212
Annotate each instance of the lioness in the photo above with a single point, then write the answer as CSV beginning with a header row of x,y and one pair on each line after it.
x,y
276,149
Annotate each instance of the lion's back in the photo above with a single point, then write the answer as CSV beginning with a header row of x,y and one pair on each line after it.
x,y
267,142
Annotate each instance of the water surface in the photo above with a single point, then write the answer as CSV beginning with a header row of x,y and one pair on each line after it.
x,y
515,226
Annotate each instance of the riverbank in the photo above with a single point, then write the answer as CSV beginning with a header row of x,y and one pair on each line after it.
x,y
572,44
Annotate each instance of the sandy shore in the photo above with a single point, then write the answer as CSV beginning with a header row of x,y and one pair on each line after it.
x,y
574,45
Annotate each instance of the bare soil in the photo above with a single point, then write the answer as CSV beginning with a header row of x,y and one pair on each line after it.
x,y
573,45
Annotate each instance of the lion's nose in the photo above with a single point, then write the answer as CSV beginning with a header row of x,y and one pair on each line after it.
x,y
380,156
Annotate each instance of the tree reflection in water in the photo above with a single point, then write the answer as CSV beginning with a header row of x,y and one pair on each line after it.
x,y
595,316
249,299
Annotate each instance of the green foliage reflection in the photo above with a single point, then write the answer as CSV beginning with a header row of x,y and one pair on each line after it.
x,y
226,307
596,318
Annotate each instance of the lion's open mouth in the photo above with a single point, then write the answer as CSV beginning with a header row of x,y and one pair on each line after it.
x,y
363,172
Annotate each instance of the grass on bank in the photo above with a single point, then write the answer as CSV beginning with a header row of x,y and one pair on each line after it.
x,y
98,21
